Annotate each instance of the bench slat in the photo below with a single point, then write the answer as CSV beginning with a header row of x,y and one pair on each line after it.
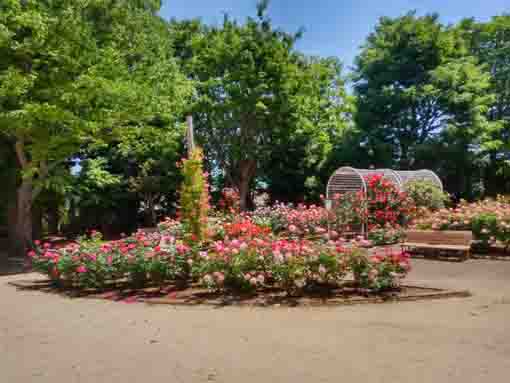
x,y
461,238
429,246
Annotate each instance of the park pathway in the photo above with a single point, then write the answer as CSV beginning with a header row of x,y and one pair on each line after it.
x,y
48,338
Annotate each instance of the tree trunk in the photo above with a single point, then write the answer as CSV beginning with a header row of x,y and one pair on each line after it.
x,y
37,224
247,170
150,211
11,214
244,190
53,218
23,232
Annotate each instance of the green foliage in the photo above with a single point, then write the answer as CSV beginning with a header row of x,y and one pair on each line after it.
x,y
426,194
94,80
379,272
490,42
106,85
420,86
262,109
485,229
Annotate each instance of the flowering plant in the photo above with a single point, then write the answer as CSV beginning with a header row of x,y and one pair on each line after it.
x,y
171,227
488,219
386,204
230,201
387,234
461,216
287,219
245,229
384,210
232,264
349,211
380,271
194,198
142,259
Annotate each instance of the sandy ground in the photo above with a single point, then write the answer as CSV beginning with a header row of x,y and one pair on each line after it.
x,y
48,338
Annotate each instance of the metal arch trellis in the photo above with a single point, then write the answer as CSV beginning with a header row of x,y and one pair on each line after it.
x,y
331,190
350,175
423,174
348,179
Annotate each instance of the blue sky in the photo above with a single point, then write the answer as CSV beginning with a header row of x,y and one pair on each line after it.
x,y
333,27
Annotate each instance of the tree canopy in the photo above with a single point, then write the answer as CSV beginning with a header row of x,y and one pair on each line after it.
x,y
257,97
94,95
77,75
422,85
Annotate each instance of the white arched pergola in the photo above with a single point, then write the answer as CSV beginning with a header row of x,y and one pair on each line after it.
x,y
347,180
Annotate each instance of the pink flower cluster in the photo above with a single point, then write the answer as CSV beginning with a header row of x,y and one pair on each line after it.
x,y
294,264
94,263
287,219
461,217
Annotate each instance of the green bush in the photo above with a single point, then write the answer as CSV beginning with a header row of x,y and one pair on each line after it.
x,y
426,194
485,229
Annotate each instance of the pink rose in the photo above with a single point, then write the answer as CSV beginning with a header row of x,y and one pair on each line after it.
x,y
81,269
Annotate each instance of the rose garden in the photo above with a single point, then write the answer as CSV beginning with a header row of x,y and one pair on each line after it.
x,y
254,191
279,250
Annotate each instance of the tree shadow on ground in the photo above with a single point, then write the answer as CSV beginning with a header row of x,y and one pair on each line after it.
x,y
12,266
193,295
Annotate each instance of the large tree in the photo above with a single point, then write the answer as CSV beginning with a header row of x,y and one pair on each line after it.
x,y
490,43
259,101
77,73
416,80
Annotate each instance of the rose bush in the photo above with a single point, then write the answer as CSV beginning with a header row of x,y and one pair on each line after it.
x,y
380,271
384,210
246,263
230,202
489,220
287,219
91,263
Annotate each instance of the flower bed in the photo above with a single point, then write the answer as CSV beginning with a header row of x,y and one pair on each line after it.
x,y
489,220
245,264
229,251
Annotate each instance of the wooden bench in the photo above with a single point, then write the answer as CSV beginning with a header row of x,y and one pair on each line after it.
x,y
439,243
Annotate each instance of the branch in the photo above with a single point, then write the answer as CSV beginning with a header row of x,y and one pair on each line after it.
x,y
20,154
44,171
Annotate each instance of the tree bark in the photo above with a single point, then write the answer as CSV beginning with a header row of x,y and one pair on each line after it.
x,y
244,189
23,231
37,225
24,195
53,218
12,213
247,169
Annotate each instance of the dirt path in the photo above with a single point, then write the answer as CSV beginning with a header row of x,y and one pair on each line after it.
x,y
47,338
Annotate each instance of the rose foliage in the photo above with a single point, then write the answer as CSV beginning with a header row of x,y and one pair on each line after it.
x,y
243,260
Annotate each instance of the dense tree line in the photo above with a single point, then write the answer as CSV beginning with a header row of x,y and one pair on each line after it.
x,y
94,96
436,96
